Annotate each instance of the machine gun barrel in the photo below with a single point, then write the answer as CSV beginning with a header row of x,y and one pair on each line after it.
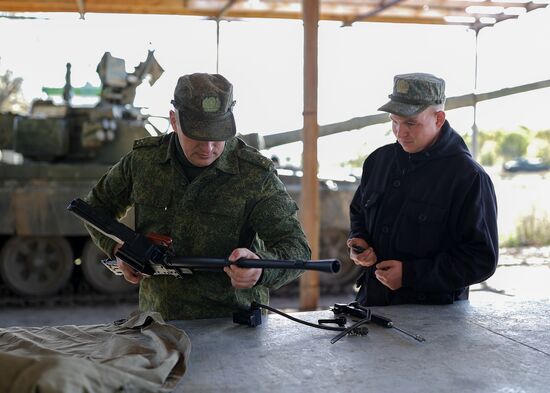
x,y
198,263
148,255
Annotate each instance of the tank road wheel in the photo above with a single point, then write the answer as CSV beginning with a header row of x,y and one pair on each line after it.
x,y
98,276
36,265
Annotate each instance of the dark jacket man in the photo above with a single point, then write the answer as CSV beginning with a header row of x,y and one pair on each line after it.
x,y
425,211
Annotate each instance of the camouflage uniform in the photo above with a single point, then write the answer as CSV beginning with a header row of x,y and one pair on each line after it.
x,y
238,201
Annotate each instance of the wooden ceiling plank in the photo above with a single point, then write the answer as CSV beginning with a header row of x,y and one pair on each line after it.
x,y
347,11
225,9
81,8
381,7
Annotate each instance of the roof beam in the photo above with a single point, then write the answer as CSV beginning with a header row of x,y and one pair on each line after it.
x,y
81,8
346,11
225,9
384,4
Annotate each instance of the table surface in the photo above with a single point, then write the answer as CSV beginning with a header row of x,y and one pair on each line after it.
x,y
495,345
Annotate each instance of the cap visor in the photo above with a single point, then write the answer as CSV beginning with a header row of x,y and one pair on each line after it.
x,y
401,109
219,129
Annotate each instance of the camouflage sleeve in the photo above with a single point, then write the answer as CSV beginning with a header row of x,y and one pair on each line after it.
x,y
274,218
112,193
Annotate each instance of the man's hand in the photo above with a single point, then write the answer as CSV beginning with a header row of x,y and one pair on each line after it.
x,y
390,273
130,274
362,258
242,277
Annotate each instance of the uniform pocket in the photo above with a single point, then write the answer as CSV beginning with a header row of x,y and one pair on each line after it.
x,y
151,206
420,230
370,204
221,222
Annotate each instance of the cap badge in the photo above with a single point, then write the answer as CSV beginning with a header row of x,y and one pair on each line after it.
x,y
211,104
402,86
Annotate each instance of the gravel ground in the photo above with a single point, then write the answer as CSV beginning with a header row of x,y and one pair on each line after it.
x,y
522,273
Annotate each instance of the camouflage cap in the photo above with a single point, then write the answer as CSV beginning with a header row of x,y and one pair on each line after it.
x,y
412,93
204,103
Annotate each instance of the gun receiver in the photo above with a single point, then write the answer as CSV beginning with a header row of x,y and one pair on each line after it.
x,y
151,254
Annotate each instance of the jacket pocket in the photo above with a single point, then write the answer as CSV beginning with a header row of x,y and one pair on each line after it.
x,y
420,229
370,204
151,207
221,223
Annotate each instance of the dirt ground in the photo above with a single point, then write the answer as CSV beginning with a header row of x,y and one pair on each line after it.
x,y
522,273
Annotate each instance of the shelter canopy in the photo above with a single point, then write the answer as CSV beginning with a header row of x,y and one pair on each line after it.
x,y
475,14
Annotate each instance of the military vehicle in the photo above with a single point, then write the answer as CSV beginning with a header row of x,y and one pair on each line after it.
x,y
54,154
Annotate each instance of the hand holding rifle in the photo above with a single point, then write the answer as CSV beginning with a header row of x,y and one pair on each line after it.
x,y
152,254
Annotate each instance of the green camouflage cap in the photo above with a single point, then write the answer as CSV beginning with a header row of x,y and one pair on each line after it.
x,y
412,93
204,103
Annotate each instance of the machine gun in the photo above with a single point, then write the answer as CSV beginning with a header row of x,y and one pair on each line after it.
x,y
152,254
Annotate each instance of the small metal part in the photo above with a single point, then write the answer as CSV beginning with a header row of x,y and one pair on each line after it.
x,y
415,336
350,329
348,309
340,321
359,331
250,318
387,323
358,249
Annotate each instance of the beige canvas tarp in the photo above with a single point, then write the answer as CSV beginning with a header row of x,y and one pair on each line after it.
x,y
140,354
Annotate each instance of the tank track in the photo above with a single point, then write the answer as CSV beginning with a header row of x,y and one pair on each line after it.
x,y
76,292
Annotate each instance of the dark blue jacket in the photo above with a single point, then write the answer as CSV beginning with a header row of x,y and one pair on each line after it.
x,y
436,212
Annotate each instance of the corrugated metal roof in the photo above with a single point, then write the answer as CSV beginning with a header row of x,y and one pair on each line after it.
x,y
475,14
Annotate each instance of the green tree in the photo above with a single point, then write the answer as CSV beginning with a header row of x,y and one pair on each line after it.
x,y
544,135
513,145
544,153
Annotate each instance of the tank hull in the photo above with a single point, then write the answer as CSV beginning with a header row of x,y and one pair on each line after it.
x,y
45,252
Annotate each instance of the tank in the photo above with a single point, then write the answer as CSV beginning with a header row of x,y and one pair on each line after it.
x,y
54,154
59,151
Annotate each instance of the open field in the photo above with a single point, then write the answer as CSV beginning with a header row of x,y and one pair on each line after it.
x,y
520,195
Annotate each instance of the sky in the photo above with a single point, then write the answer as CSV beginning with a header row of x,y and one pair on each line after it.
x,y
264,61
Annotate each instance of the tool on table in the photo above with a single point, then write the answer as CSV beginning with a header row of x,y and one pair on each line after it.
x,y
340,321
386,322
354,330
357,310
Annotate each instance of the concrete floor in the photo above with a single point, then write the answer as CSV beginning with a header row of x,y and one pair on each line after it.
x,y
483,346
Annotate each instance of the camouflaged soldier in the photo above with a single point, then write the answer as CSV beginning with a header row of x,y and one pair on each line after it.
x,y
214,196
425,212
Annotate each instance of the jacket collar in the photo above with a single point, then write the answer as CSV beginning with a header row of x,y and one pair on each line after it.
x,y
227,162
